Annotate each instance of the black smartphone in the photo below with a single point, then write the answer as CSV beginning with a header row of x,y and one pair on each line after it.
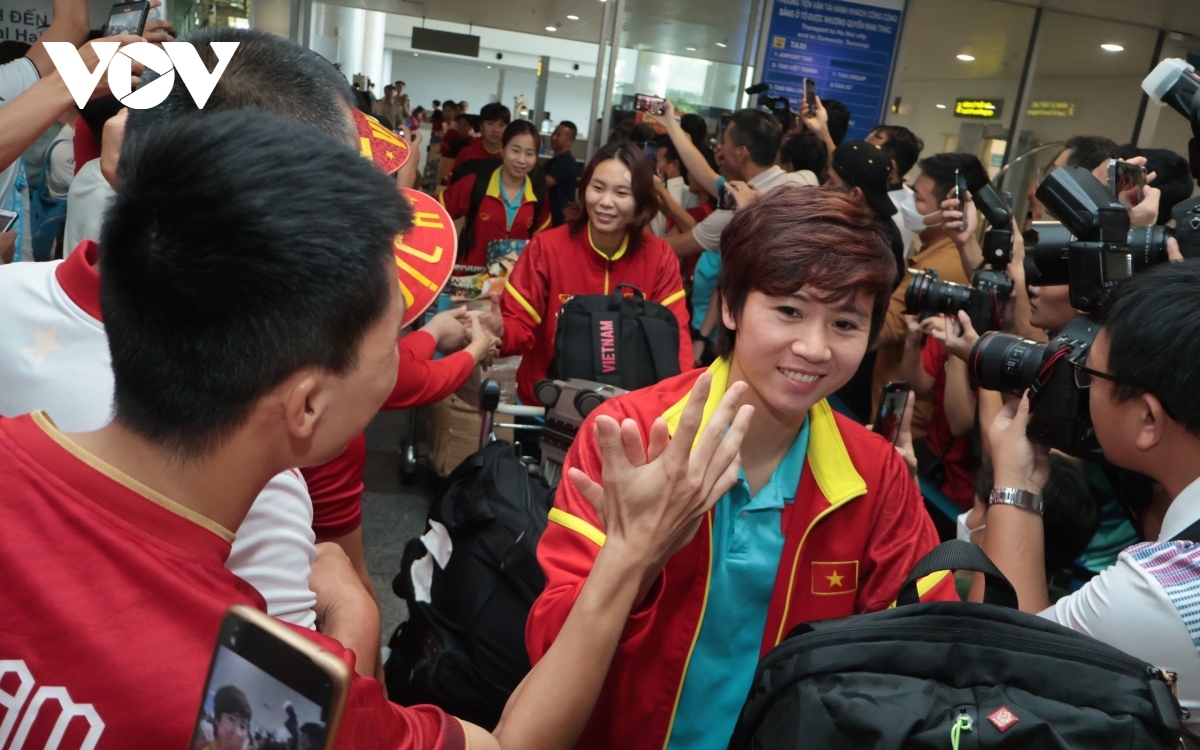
x,y
651,150
782,109
810,95
646,103
890,414
266,680
1123,177
723,123
7,219
725,199
127,18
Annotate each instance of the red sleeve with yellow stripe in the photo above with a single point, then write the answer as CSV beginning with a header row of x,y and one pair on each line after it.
x,y
669,292
421,379
542,219
568,549
901,533
523,303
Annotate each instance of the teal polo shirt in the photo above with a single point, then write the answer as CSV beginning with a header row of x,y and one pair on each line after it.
x,y
747,542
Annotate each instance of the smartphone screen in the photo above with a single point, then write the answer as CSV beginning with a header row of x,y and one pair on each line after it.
x,y
725,199
722,124
647,103
782,109
267,686
810,95
7,220
891,410
127,18
651,150
1123,177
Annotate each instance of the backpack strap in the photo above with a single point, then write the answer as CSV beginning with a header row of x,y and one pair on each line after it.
x,y
46,165
478,193
662,343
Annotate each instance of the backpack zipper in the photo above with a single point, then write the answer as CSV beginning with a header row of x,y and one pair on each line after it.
x,y
961,725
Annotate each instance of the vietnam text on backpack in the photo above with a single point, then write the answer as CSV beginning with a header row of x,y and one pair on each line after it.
x,y
47,214
483,170
628,342
469,584
951,675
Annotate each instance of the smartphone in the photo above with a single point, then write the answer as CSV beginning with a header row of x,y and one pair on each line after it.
x,y
7,220
723,123
127,18
1123,177
725,199
651,150
267,681
810,95
782,109
646,103
890,415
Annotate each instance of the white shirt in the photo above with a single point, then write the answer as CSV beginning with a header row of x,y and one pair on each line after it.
x,y
708,232
54,357
898,196
61,171
1128,607
678,190
15,77
87,199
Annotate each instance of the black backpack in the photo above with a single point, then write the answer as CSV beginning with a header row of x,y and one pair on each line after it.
x,y
954,675
463,645
483,169
628,342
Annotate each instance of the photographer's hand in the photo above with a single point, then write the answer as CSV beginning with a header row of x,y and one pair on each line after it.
x,y
956,334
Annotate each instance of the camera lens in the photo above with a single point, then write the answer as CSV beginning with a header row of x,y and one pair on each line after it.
x,y
1148,246
1006,363
928,294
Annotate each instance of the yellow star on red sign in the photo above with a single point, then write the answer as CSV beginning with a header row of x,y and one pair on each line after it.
x,y
835,579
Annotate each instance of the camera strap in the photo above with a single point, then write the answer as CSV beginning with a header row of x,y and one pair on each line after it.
x,y
1043,377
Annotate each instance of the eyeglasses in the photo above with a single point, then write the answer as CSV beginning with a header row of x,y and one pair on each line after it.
x,y
1084,375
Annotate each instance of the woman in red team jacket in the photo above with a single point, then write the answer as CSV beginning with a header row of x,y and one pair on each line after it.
x,y
823,521
604,243
510,209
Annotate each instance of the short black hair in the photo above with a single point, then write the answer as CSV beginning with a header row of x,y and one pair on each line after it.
x,y
1152,322
642,133
695,126
1089,151
227,263
805,151
494,111
759,132
839,119
1172,176
570,126
664,144
267,72
902,146
230,700
449,103
940,168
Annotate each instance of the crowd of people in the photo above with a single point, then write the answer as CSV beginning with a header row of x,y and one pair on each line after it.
x,y
201,316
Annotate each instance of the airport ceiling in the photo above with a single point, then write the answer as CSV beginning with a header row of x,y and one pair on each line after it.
x,y
995,32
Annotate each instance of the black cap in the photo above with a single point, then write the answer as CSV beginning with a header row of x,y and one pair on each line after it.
x,y
864,166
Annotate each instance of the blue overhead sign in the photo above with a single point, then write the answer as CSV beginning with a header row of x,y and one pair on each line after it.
x,y
846,48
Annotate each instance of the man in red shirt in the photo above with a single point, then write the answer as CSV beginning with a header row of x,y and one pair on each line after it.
x,y
261,343
493,119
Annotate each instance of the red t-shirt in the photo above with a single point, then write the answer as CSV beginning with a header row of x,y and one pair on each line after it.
x,y
475,150
336,487
491,221
112,598
958,456
687,266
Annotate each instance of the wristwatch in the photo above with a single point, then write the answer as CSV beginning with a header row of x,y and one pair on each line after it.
x,y
1019,498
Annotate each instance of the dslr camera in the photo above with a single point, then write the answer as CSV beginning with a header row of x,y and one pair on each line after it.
x,y
984,299
776,105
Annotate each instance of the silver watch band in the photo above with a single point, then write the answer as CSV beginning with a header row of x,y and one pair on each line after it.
x,y
1019,498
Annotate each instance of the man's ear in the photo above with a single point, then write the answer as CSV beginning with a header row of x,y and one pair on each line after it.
x,y
896,172
858,194
727,316
1152,421
303,402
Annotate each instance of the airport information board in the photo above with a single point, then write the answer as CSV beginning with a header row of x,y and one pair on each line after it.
x,y
847,48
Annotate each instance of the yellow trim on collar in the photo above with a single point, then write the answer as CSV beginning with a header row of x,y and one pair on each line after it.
x,y
578,525
828,459
620,250
43,420
493,190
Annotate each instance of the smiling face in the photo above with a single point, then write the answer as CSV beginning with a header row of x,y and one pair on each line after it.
x,y
794,351
519,155
609,197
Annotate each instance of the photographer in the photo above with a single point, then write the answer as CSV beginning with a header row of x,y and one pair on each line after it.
x,y
1146,411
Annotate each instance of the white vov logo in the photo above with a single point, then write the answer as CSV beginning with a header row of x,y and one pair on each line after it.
x,y
171,57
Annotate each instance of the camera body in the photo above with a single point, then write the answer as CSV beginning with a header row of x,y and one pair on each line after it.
x,y
780,106
1059,415
983,300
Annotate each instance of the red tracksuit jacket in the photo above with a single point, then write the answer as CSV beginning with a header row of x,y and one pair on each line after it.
x,y
857,516
491,221
556,266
